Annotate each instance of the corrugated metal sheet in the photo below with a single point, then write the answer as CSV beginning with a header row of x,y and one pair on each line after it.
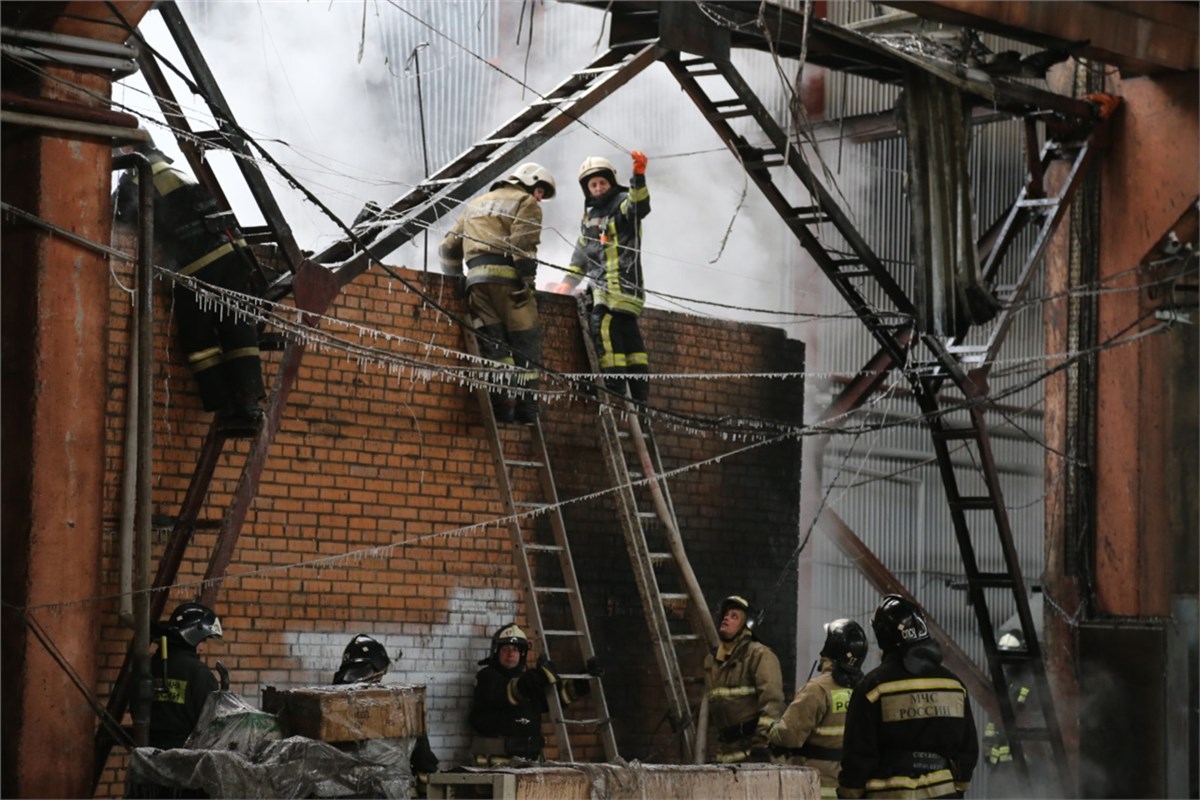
x,y
884,483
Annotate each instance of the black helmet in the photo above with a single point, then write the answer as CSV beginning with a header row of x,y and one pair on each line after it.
x,y
898,622
1012,639
508,634
363,661
845,643
193,623
739,602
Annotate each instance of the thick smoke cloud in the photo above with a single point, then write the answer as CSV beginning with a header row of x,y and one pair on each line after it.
x,y
331,90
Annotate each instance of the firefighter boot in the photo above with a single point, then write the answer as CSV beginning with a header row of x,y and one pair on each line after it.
x,y
527,355
214,390
527,409
245,416
502,407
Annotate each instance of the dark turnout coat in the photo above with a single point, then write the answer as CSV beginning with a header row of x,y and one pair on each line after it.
x,y
909,730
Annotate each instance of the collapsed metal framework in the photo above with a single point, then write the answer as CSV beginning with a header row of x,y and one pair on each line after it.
x,y
642,34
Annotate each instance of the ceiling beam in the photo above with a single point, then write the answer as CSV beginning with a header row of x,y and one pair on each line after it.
x,y
1138,38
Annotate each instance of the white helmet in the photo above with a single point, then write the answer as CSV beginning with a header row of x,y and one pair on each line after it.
x,y
596,165
530,175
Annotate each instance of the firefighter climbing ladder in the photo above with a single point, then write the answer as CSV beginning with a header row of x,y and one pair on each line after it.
x,y
484,162
890,329
652,568
545,568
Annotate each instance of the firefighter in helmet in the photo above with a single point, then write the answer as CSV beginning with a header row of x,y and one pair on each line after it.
x,y
909,729
199,240
744,684
608,254
366,661
810,731
506,714
182,682
497,235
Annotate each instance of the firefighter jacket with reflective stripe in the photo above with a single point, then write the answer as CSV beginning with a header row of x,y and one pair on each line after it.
x,y
813,725
187,222
909,730
497,235
181,685
508,707
745,694
609,249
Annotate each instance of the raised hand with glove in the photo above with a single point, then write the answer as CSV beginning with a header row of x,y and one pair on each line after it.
x,y
639,162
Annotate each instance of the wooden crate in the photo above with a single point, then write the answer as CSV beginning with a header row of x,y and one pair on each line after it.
x,y
349,713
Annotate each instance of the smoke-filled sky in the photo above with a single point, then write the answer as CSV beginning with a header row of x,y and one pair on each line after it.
x,y
331,89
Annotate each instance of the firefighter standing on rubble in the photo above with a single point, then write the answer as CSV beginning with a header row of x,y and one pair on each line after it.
x,y
221,347
608,254
498,235
744,685
366,661
909,729
810,731
506,715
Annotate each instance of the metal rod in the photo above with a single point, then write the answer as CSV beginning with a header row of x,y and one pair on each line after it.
x,y
121,66
416,56
73,126
144,435
129,481
65,40
60,108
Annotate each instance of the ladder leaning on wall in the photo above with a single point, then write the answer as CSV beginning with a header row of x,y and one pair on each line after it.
x,y
544,562
678,619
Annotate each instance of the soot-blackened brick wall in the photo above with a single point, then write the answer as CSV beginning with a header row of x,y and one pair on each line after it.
x,y
368,512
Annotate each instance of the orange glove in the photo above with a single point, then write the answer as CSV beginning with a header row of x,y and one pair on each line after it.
x,y
639,162
1108,104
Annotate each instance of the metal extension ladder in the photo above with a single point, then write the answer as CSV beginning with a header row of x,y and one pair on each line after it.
x,y
544,562
677,619
887,311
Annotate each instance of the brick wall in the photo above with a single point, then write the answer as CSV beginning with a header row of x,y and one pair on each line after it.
x,y
367,458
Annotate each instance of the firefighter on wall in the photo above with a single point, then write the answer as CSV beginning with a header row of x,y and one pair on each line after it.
x,y
909,729
497,235
609,254
810,731
199,240
744,684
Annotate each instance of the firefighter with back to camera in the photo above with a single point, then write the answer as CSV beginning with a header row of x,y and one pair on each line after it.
x,y
221,346
497,235
909,728
506,713
744,684
811,729
182,682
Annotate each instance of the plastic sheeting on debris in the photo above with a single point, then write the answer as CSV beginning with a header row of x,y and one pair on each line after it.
x,y
238,751
289,768
227,722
